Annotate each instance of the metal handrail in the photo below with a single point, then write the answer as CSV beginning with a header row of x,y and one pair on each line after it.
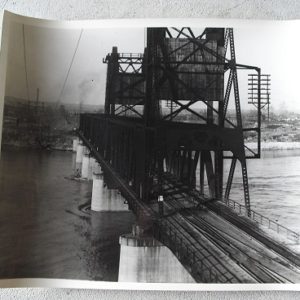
x,y
169,237
263,220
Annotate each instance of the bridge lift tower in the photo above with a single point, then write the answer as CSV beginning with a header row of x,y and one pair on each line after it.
x,y
167,114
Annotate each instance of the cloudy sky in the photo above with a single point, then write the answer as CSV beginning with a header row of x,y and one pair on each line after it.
x,y
49,53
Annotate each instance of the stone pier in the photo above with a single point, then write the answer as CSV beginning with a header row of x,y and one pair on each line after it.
x,y
79,153
85,166
104,199
97,193
144,259
92,163
75,144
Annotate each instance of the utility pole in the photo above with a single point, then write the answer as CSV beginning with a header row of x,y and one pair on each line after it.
x,y
265,82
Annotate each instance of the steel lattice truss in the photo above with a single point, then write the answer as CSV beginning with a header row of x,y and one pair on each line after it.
x,y
197,76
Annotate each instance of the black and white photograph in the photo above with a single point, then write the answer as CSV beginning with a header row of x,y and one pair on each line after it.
x,y
151,154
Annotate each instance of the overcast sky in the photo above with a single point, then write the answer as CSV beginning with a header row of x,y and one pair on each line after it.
x,y
49,53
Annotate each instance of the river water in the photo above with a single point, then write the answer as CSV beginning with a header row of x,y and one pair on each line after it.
x,y
274,183
47,229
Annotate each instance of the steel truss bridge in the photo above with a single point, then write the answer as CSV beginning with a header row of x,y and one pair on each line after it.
x,y
172,116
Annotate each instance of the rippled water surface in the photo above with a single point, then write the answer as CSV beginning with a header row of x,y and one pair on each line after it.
x,y
274,186
46,226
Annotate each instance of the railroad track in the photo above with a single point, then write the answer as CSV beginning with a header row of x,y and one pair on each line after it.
x,y
217,255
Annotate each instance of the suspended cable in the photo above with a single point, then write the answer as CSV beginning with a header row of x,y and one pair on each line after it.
x,y
71,64
25,62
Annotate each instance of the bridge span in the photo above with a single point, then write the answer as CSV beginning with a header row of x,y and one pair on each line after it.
x,y
162,141
211,240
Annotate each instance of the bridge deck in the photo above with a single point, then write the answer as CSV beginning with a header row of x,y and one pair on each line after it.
x,y
229,251
210,241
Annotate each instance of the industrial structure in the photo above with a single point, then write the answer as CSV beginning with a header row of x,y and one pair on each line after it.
x,y
172,116
189,73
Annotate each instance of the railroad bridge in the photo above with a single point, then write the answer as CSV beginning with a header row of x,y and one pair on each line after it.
x,y
172,116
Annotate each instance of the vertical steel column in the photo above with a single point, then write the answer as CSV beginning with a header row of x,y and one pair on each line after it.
x,y
112,73
151,108
194,169
219,162
230,178
239,121
207,159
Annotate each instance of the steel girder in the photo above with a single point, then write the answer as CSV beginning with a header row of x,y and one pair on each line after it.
x,y
186,70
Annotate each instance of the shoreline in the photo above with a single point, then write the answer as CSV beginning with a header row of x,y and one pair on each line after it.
x,y
275,145
265,146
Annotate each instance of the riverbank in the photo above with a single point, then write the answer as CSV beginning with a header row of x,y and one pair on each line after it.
x,y
275,145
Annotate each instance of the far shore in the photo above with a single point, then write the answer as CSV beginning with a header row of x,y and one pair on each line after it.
x,y
275,145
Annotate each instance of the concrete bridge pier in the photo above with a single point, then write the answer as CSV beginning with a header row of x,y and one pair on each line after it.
x,y
85,166
78,159
75,144
92,163
97,193
117,201
80,150
89,167
144,259
96,168
104,199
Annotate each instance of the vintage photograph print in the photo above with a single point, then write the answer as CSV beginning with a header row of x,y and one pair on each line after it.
x,y
151,154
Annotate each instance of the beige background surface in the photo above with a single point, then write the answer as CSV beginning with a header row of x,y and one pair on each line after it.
x,y
96,9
